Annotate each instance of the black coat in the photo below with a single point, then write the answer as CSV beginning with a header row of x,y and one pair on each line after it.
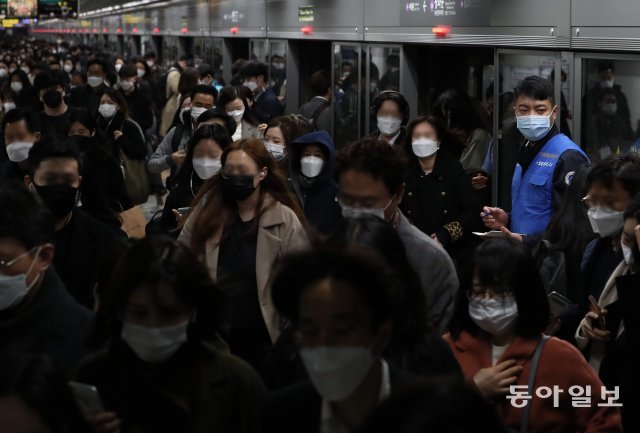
x,y
297,408
198,390
86,97
78,247
443,202
56,126
140,108
131,142
10,170
267,106
181,196
53,324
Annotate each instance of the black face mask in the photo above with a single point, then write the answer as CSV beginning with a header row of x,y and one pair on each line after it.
x,y
60,199
84,143
52,98
238,187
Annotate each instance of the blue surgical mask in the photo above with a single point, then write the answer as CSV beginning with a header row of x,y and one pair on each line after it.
x,y
534,127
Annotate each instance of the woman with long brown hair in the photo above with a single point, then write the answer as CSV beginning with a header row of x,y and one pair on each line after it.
x,y
243,220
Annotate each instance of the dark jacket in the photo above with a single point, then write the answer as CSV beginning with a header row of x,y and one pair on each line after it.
x,y
86,97
140,108
182,195
56,126
267,106
131,142
443,202
398,141
297,408
320,111
10,170
104,194
53,324
78,246
317,196
199,389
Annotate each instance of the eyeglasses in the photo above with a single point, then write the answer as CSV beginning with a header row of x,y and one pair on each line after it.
x,y
484,293
4,264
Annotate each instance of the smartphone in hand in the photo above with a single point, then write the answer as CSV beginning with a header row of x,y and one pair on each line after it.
x,y
595,308
87,397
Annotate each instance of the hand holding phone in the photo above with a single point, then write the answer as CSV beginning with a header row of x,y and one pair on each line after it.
x,y
598,323
87,397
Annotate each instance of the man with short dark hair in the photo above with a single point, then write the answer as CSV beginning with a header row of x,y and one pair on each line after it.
x,y
172,151
256,77
546,163
21,129
37,314
139,104
319,109
88,96
370,179
55,176
55,117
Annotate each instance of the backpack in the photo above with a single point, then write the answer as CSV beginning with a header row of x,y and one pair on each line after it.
x,y
318,112
552,266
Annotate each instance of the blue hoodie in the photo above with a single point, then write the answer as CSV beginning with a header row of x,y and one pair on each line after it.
x,y
318,195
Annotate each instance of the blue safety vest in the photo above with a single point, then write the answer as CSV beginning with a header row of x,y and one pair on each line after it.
x,y
532,193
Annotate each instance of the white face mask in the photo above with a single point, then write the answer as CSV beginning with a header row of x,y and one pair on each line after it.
x,y
118,67
140,72
388,125
252,85
236,114
206,167
494,316
610,108
605,222
68,68
8,106
352,212
534,127
424,147
606,84
627,252
16,86
13,289
107,110
154,344
311,166
336,371
3,72
127,86
276,150
150,63
18,151
95,81
196,112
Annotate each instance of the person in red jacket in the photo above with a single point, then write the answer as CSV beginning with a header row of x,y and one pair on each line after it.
x,y
495,331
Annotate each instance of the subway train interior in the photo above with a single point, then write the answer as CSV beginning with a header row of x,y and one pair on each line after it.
x,y
401,45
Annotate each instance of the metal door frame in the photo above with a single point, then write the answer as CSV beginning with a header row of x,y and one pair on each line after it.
x,y
367,100
359,46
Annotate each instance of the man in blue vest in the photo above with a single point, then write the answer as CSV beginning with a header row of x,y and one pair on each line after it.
x,y
546,163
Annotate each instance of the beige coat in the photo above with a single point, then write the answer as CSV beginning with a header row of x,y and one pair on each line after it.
x,y
173,99
280,232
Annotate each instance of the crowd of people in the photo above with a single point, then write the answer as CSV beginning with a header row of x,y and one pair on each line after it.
x,y
293,283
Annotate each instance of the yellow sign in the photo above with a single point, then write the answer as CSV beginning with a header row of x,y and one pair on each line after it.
x,y
8,23
133,19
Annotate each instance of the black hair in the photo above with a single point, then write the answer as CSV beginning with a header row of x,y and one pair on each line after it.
x,y
623,168
605,66
320,82
535,87
507,266
216,113
397,98
204,90
362,270
128,70
188,81
150,55
633,211
153,261
443,405
214,132
606,92
83,117
393,60
47,79
205,70
255,69
30,117
118,98
375,158
43,388
410,323
458,111
24,78
99,62
230,93
450,142
49,147
22,218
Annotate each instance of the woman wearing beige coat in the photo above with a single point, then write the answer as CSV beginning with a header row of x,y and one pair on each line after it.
x,y
243,221
173,96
